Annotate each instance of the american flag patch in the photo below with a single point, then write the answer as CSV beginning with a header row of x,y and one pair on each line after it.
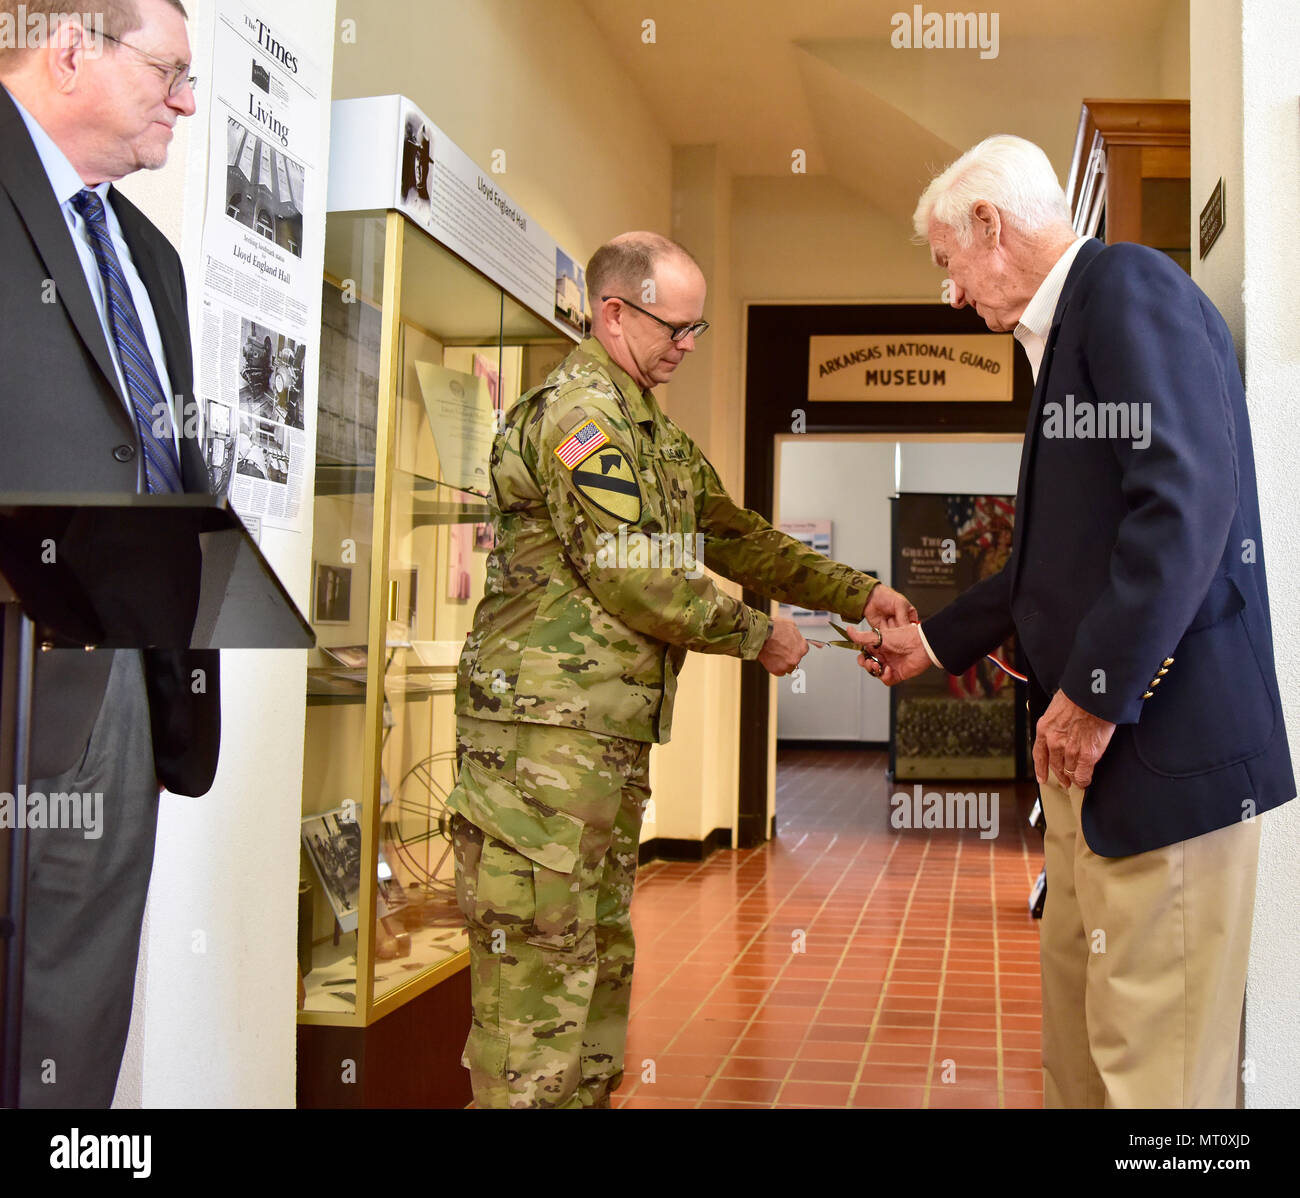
x,y
584,442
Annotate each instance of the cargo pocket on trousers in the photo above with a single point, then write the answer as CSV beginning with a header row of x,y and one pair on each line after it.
x,y
529,869
486,1056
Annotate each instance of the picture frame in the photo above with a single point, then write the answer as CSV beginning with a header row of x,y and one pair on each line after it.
x,y
331,594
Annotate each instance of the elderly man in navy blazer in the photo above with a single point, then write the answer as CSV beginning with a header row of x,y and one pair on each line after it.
x,y
1136,592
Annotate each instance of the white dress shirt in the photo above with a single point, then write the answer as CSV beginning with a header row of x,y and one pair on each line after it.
x,y
66,182
1031,331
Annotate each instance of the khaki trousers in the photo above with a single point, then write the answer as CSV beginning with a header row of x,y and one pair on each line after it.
x,y
1144,966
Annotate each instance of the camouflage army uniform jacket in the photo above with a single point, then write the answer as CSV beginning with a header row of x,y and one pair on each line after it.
x,y
589,608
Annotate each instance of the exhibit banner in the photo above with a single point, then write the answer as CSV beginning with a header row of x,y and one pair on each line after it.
x,y
948,367
256,367
947,725
386,153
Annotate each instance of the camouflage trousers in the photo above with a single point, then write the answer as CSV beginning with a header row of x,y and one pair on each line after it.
x,y
546,830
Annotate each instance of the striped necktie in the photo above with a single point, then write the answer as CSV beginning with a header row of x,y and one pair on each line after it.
x,y
152,415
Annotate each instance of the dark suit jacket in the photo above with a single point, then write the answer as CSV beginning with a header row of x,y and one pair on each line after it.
x,y
66,428
1136,580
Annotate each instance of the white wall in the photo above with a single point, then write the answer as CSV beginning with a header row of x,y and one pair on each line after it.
x,y
1246,128
218,1027
976,466
848,480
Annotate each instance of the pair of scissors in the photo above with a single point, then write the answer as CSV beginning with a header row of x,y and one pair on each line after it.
x,y
846,643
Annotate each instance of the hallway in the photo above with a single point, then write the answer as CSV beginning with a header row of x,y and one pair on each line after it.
x,y
843,964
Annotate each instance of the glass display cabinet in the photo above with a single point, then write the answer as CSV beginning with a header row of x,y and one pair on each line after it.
x,y
413,338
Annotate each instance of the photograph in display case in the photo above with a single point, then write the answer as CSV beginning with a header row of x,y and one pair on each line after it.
x,y
333,843
332,594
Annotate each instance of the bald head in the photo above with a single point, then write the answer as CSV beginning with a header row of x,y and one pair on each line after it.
x,y
635,281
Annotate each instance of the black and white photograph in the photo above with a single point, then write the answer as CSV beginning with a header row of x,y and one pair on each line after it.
x,y
271,369
333,842
220,446
417,160
332,594
264,187
262,450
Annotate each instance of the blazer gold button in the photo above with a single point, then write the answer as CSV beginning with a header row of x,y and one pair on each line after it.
x,y
124,453
1162,672
1169,661
1156,681
1148,694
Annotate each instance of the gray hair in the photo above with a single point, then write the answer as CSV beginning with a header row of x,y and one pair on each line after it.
x,y
1012,174
116,18
623,264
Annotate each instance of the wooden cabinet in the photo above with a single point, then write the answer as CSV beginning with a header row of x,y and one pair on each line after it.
x,y
1130,174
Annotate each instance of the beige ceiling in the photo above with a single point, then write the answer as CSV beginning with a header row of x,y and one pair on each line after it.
x,y
762,78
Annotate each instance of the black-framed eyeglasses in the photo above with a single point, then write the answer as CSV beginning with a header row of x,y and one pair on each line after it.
x,y
177,73
676,332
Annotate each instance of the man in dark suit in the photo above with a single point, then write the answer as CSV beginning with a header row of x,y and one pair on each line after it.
x,y
96,396
1136,592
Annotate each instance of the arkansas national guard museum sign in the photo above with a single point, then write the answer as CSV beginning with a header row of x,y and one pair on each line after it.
x,y
950,367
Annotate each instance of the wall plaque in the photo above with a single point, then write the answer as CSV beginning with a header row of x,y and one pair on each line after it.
x,y
948,367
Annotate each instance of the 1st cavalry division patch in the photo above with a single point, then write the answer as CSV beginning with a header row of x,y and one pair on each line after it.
x,y
602,472
608,480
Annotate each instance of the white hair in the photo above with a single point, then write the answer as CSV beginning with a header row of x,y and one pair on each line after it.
x,y
1010,173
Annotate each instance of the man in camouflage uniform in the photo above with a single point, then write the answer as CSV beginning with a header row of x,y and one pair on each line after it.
x,y
593,596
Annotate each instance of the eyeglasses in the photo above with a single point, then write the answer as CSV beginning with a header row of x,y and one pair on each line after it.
x,y
676,332
176,74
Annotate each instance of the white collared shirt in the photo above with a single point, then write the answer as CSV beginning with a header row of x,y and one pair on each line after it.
x,y
66,182
1036,321
1032,330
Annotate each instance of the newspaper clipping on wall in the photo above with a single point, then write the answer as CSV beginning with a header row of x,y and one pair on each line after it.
x,y
257,353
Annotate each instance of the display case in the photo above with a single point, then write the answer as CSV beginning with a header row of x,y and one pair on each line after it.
x,y
1130,176
416,345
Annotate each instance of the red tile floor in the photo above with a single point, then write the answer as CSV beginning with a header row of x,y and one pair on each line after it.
x,y
843,964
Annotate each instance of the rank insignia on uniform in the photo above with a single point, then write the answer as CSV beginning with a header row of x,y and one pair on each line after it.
x,y
609,481
586,439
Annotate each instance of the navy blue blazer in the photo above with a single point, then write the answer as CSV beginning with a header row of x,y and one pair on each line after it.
x,y
1136,580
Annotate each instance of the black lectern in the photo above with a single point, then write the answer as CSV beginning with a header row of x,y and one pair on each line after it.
x,y
91,572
